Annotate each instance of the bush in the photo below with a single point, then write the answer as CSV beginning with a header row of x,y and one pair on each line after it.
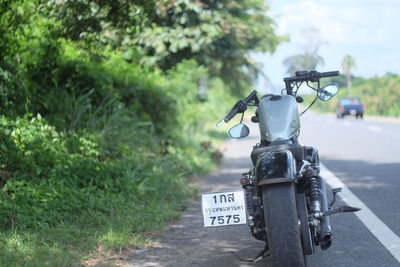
x,y
379,94
94,147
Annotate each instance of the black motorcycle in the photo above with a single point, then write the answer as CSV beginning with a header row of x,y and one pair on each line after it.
x,y
285,197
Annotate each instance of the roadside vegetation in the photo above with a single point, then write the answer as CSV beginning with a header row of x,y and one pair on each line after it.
x,y
105,112
380,95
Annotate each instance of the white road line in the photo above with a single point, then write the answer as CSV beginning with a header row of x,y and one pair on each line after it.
x,y
374,128
380,230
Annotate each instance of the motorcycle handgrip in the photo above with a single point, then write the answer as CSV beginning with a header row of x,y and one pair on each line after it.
x,y
231,114
328,74
239,107
250,97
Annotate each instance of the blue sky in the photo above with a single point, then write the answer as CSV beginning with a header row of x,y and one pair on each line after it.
x,y
365,29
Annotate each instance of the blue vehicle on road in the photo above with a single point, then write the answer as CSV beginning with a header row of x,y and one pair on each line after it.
x,y
350,106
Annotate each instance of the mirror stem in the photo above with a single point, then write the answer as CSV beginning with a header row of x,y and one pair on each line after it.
x,y
241,119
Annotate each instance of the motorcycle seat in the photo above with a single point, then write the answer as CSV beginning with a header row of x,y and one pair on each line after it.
x,y
296,149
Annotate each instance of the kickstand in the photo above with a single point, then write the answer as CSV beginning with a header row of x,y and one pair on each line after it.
x,y
263,254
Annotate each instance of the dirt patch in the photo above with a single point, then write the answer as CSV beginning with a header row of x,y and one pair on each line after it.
x,y
187,243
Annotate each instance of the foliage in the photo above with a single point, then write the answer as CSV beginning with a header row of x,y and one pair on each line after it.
x,y
304,61
217,34
99,133
109,177
13,14
348,64
380,95
308,59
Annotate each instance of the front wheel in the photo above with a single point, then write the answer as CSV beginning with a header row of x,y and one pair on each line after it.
x,y
282,225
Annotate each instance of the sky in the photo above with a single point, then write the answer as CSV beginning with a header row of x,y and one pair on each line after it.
x,y
365,29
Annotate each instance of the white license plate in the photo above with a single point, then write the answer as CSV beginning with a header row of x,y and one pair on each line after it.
x,y
224,208
353,112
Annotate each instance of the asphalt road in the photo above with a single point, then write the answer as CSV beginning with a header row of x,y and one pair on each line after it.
x,y
363,154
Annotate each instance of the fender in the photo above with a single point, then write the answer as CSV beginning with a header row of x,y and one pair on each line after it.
x,y
276,166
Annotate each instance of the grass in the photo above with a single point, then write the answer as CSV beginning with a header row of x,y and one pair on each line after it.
x,y
93,238
80,244
218,134
82,196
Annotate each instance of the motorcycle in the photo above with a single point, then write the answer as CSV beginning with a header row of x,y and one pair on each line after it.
x,y
285,197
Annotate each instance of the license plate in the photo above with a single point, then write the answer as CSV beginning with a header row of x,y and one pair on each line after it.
x,y
353,112
224,208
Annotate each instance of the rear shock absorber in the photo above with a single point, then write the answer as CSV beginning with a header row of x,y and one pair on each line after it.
x,y
315,199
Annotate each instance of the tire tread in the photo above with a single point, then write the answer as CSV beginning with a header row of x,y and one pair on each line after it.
x,y
283,231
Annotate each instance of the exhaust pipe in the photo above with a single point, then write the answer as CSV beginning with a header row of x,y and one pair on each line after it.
x,y
325,231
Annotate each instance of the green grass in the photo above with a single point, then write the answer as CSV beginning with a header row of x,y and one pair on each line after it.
x,y
73,210
86,178
73,244
218,134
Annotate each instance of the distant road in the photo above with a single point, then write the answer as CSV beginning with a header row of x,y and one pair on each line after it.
x,y
363,154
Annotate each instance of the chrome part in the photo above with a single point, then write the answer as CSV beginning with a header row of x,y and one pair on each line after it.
x,y
328,91
313,222
306,165
220,123
244,181
311,155
256,200
334,192
250,221
239,131
316,207
341,209
307,170
325,231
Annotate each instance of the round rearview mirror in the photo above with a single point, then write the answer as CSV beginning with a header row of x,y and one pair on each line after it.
x,y
328,91
239,131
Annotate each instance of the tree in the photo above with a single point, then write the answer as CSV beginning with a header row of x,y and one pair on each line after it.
x,y
348,64
304,61
309,59
217,34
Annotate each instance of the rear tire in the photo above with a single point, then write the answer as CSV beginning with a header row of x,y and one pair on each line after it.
x,y
282,225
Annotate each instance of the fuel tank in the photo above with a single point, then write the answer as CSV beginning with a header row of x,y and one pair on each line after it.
x,y
278,117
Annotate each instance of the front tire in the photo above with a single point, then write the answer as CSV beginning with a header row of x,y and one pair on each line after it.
x,y
282,225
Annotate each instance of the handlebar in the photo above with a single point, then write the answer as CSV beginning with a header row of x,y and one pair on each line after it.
x,y
312,76
239,107
290,82
329,74
251,97
307,76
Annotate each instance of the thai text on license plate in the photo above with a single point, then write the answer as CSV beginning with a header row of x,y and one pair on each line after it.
x,y
224,208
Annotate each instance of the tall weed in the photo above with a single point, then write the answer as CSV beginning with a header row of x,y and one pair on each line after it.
x,y
102,146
